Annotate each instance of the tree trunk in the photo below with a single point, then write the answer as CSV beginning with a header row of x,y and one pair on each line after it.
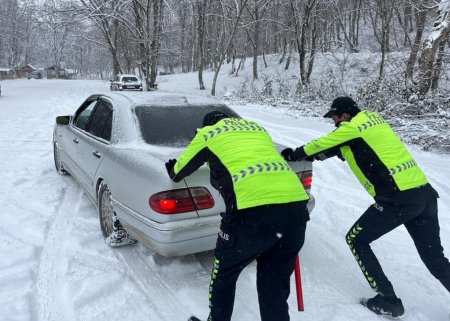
x,y
256,48
155,44
441,29
301,43
284,51
403,24
386,13
420,24
289,58
201,10
312,53
438,66
116,64
351,35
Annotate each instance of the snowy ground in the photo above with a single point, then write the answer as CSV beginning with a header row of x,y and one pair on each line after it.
x,y
55,265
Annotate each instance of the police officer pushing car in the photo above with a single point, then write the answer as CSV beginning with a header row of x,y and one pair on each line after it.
x,y
402,193
265,217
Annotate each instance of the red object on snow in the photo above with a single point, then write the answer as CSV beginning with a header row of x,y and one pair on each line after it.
x,y
298,284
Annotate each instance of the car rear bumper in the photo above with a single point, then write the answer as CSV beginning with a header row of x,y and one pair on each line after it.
x,y
173,238
131,87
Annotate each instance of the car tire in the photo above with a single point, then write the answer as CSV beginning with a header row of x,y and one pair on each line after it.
x,y
105,210
57,158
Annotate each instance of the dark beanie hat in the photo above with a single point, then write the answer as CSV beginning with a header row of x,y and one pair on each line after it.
x,y
213,117
343,105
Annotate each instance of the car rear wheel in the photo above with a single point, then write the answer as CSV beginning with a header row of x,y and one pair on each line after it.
x,y
57,158
105,209
115,235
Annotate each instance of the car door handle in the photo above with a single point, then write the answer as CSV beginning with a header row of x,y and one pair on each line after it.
x,y
75,140
96,154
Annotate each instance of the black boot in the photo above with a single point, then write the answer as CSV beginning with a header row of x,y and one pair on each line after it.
x,y
192,318
388,306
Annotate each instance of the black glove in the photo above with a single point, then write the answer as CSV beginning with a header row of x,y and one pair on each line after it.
x,y
311,158
287,154
169,165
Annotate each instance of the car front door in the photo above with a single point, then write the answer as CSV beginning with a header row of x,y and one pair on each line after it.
x,y
93,146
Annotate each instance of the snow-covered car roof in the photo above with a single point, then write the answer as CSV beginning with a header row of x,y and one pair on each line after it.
x,y
127,75
160,99
124,104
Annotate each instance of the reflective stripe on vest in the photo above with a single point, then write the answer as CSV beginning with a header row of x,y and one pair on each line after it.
x,y
402,167
258,168
226,128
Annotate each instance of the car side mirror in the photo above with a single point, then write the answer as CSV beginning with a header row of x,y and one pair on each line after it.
x,y
62,120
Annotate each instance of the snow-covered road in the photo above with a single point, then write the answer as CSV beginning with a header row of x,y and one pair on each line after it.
x,y
55,266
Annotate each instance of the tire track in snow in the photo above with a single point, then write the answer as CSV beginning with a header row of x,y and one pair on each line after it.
x,y
51,269
152,283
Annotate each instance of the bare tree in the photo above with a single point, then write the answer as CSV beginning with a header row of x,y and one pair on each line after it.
x,y
104,14
256,10
421,14
227,35
307,34
147,30
439,32
348,16
438,66
58,19
381,18
17,31
201,23
155,45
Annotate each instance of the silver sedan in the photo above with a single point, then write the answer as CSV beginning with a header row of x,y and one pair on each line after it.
x,y
115,146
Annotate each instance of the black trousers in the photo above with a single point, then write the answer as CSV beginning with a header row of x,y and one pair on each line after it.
x,y
417,210
273,235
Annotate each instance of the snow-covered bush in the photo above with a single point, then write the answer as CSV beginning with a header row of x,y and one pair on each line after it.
x,y
375,95
420,120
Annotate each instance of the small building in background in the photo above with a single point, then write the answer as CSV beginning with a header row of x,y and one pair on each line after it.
x,y
24,71
6,73
71,74
56,72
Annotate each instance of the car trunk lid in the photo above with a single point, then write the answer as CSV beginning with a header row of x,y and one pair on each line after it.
x,y
201,178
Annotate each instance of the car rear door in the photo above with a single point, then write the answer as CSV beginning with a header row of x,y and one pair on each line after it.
x,y
70,136
94,144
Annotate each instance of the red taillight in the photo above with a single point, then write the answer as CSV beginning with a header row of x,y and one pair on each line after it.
x,y
167,204
181,200
306,179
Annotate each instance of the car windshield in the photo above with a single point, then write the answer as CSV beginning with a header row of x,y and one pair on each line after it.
x,y
129,79
174,126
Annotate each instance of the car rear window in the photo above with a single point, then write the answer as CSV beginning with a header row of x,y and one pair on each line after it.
x,y
129,79
174,125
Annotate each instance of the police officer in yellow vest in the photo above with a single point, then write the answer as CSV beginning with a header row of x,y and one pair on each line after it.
x,y
401,191
266,214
